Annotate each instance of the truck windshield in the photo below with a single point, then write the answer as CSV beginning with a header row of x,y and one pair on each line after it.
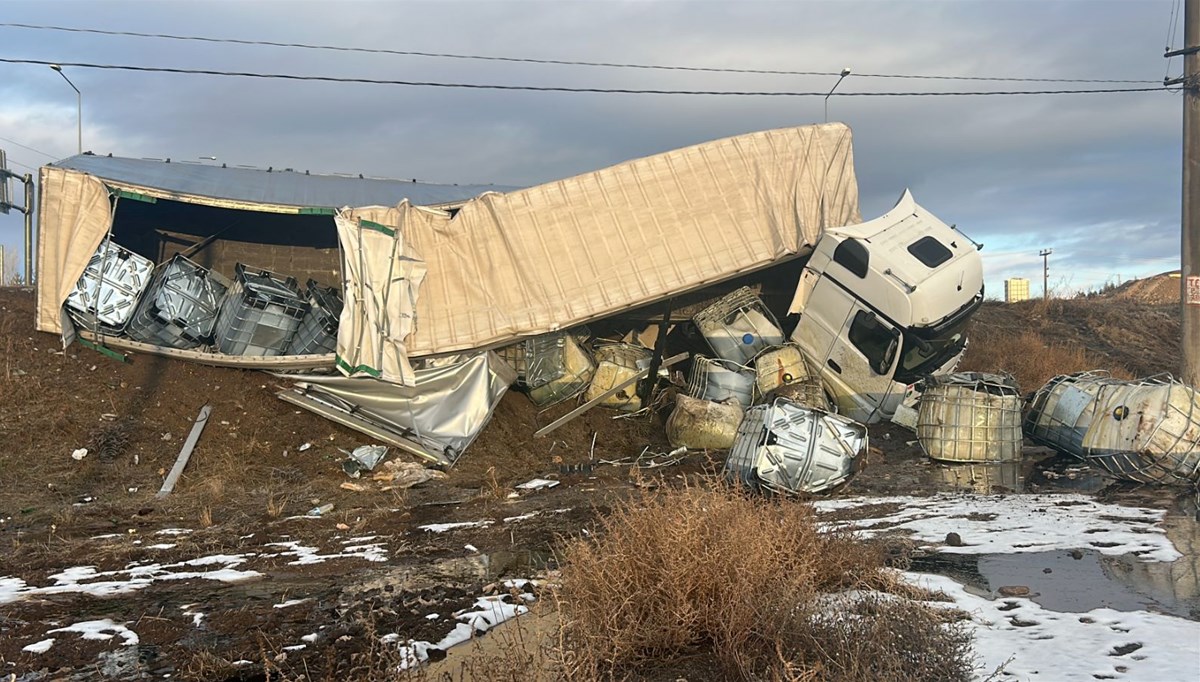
x,y
923,355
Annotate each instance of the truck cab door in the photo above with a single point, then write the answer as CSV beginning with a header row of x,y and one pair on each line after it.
x,y
854,349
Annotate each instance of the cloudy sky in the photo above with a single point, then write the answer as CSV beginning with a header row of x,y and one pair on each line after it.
x,y
1096,177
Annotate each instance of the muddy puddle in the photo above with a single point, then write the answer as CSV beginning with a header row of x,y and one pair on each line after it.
x,y
1079,580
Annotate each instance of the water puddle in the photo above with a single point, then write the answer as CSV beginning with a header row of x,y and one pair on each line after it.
x,y
1075,581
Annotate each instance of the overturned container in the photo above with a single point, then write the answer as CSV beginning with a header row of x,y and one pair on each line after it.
x,y
260,314
720,381
983,478
1062,411
550,367
788,448
617,363
1146,430
698,424
180,307
970,417
317,333
107,293
738,326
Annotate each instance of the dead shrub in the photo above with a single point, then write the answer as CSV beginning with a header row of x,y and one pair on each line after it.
x,y
1028,356
702,569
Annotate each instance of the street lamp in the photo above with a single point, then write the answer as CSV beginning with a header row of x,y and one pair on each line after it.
x,y
78,103
845,72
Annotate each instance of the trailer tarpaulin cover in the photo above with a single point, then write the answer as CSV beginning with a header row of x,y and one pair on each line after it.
x,y
78,206
443,411
381,275
559,254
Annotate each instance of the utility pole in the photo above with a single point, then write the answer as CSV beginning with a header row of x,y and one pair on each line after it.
x,y
2,273
1189,251
1045,254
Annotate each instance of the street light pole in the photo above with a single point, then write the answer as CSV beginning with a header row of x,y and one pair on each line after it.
x,y
845,72
78,104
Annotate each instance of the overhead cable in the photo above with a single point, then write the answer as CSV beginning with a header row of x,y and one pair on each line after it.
x,y
38,151
559,62
554,88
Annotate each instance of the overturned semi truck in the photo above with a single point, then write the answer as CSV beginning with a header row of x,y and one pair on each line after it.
x,y
434,277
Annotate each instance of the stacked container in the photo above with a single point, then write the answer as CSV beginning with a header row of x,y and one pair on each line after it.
x,y
180,306
317,334
107,293
738,326
970,417
260,314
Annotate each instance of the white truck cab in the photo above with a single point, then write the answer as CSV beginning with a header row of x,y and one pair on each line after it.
x,y
884,303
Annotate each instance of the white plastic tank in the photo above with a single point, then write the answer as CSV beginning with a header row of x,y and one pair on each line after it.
x,y
970,417
719,380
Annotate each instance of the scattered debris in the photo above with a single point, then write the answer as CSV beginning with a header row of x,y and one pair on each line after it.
x,y
185,454
537,484
79,454
320,510
401,475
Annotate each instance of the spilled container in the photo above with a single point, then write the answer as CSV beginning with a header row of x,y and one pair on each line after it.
x,y
785,447
721,380
738,326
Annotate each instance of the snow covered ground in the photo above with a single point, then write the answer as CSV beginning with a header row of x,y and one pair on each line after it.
x,y
1029,641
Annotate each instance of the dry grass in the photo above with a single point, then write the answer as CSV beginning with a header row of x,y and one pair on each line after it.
x,y
746,582
1029,357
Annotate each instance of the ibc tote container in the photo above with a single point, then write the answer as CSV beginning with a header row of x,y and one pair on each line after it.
x,y
1063,409
317,334
107,293
180,306
615,363
970,417
261,313
738,326
719,380
1146,430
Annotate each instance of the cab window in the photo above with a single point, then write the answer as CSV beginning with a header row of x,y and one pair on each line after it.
x,y
875,340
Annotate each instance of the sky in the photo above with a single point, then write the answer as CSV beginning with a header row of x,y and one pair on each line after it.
x,y
1095,177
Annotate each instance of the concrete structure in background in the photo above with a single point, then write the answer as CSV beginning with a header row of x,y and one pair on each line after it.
x,y
1016,289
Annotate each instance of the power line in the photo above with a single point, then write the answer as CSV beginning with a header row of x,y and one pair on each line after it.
x,y
56,158
554,88
559,62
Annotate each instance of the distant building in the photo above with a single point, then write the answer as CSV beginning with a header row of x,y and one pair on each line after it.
x,y
1016,289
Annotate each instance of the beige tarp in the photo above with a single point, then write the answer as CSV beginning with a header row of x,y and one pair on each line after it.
x,y
381,277
77,205
563,253
536,260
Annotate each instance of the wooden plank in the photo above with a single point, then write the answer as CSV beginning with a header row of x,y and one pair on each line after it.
x,y
185,454
606,395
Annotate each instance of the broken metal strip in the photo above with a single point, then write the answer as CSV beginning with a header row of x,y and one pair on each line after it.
x,y
606,395
185,454
272,362
361,425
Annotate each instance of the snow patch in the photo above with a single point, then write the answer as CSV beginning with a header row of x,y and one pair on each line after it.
x,y
39,647
311,555
103,629
88,580
1136,646
443,527
1015,523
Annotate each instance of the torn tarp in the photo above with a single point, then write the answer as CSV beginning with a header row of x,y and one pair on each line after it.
x,y
436,418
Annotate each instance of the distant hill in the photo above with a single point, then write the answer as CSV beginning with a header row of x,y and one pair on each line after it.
x,y
1159,289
